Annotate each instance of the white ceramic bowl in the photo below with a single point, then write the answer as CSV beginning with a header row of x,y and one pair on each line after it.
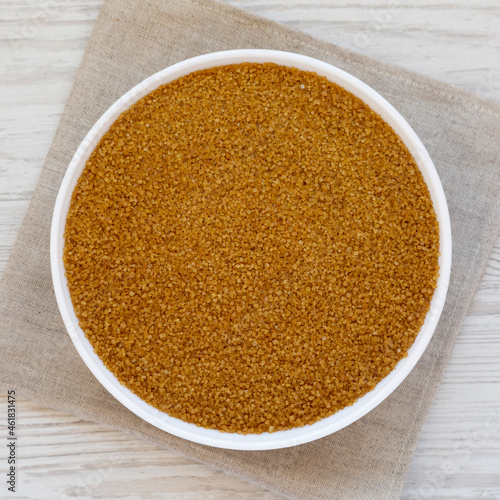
x,y
279,439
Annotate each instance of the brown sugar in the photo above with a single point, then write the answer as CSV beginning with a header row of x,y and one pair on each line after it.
x,y
250,248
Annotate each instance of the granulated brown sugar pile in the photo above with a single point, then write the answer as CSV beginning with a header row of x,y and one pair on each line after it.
x,y
250,248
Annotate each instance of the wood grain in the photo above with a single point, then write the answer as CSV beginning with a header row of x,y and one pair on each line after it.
x,y
60,456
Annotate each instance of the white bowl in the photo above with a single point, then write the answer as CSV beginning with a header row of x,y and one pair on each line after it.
x,y
280,439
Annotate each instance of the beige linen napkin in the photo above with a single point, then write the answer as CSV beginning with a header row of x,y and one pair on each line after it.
x,y
133,39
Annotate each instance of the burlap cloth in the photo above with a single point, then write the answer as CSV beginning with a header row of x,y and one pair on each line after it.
x,y
135,38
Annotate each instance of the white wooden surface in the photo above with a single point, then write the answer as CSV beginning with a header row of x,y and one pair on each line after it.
x,y
62,457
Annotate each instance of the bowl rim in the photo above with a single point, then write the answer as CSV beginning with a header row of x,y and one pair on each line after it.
x,y
279,439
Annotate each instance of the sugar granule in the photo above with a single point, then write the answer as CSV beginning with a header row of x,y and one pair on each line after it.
x,y
251,248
